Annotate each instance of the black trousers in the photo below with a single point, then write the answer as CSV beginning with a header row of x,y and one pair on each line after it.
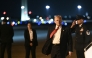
x,y
55,53
33,51
80,53
6,46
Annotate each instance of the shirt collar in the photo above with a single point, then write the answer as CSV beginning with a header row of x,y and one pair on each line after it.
x,y
57,26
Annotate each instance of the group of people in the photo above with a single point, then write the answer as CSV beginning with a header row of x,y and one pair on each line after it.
x,y
59,41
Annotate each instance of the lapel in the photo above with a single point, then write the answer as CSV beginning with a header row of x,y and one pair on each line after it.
x,y
62,32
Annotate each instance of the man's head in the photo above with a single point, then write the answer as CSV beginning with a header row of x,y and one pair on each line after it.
x,y
29,26
79,19
58,19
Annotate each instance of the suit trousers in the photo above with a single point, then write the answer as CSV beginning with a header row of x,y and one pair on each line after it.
x,y
33,51
55,52
80,53
6,46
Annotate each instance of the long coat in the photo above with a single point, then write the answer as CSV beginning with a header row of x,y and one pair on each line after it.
x,y
65,41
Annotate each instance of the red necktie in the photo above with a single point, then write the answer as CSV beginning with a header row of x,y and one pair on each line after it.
x,y
53,32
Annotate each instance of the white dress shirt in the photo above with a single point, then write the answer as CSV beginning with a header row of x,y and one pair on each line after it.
x,y
31,35
57,35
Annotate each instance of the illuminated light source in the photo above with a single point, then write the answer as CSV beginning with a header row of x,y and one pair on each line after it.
x,y
85,21
44,22
65,16
2,18
62,23
24,10
15,23
35,20
39,23
7,18
21,22
22,7
40,18
4,12
8,22
51,20
30,12
37,16
47,18
18,22
28,18
47,7
86,13
12,23
88,17
79,6
65,24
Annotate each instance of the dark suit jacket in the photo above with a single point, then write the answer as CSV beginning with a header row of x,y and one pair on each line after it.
x,y
6,33
81,40
65,41
27,38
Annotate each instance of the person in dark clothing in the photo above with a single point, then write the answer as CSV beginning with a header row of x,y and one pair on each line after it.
x,y
31,42
6,37
59,40
82,34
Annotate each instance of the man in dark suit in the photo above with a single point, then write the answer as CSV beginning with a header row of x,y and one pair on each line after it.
x,y
6,36
59,40
31,42
82,34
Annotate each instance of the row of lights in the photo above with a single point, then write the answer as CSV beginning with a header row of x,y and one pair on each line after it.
x,y
2,18
39,23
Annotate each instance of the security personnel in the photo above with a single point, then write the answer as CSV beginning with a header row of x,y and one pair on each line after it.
x,y
82,34
6,37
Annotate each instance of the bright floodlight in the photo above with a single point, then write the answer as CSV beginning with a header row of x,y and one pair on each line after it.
x,y
47,7
35,20
22,7
2,18
7,18
79,6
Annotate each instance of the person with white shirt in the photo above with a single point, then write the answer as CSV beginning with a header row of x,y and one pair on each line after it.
x,y
31,42
59,40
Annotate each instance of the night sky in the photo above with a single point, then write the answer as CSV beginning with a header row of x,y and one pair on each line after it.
x,y
62,7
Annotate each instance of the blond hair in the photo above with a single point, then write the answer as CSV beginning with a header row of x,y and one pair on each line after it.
x,y
58,16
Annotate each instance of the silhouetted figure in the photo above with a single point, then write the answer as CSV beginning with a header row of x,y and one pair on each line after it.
x,y
6,37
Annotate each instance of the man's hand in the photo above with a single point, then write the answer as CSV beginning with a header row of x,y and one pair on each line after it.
x,y
31,44
70,53
73,23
